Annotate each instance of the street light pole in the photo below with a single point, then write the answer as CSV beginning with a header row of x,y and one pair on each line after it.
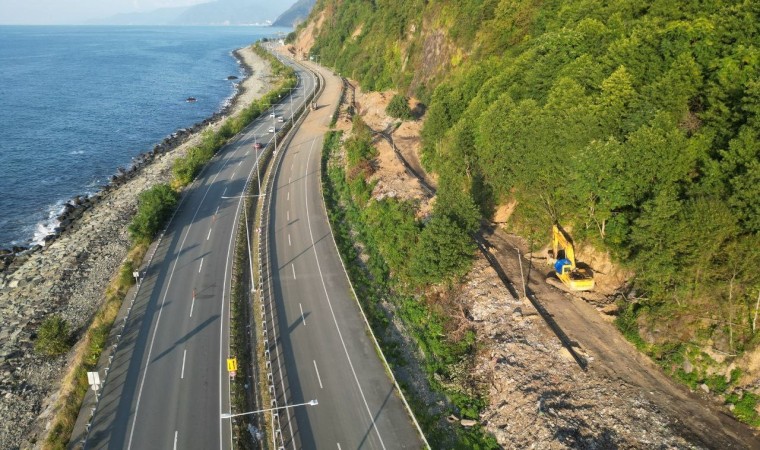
x,y
309,403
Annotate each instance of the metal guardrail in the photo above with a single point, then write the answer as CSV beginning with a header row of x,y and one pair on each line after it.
x,y
268,307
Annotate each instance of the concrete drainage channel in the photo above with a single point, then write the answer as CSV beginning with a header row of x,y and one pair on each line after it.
x,y
266,298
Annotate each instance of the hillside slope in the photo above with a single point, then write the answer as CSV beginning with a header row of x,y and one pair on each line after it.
x,y
635,124
295,14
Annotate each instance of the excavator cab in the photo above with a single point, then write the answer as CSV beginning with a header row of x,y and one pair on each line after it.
x,y
562,258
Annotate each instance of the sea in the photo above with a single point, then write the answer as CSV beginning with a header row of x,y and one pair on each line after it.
x,y
77,103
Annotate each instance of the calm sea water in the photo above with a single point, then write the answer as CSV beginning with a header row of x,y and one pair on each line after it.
x,y
76,103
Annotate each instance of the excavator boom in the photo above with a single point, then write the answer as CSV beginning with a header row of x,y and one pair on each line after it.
x,y
575,278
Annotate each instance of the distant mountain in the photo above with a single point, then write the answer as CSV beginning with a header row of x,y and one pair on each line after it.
x,y
219,12
296,14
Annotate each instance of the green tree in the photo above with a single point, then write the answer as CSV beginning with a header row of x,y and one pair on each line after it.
x,y
741,168
443,252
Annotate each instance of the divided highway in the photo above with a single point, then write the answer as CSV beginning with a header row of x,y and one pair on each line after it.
x,y
168,384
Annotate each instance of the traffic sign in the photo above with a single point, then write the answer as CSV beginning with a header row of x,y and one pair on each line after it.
x,y
231,364
93,379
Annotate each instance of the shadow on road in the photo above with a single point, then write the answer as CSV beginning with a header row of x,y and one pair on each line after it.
x,y
187,337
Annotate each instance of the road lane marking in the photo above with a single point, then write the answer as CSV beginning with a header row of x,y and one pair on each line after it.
x,y
339,446
201,266
175,440
287,216
289,244
332,312
292,266
241,162
192,305
223,194
163,302
184,355
318,377
303,318
233,175
288,196
209,234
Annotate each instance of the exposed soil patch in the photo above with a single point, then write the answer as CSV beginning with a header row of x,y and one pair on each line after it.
x,y
622,398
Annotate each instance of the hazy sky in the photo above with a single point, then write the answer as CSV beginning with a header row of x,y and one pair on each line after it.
x,y
46,12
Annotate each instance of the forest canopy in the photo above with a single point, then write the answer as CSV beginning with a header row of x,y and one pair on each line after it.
x,y
635,123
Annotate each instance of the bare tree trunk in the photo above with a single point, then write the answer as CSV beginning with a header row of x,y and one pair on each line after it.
x,y
754,319
731,314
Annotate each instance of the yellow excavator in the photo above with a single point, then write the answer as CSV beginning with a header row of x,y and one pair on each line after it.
x,y
562,258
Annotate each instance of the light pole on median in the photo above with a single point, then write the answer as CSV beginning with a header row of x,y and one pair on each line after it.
x,y
248,237
309,403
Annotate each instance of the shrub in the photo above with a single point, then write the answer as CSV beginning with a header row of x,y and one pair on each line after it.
x,y
744,407
154,207
444,252
399,108
53,336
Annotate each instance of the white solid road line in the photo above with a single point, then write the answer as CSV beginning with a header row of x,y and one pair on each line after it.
x,y
161,309
329,304
302,316
201,266
184,355
318,377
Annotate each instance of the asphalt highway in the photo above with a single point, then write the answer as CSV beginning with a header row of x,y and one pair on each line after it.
x,y
325,351
168,384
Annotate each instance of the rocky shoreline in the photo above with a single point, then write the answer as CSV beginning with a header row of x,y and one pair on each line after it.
x,y
69,273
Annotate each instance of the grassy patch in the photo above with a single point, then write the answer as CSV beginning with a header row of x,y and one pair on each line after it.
x,y
53,336
744,407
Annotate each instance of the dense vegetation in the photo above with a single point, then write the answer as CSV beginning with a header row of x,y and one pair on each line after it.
x,y
634,123
389,235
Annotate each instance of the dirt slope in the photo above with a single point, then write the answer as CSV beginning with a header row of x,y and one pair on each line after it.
x,y
627,396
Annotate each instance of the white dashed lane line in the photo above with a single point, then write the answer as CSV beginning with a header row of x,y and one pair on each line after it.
x,y
318,377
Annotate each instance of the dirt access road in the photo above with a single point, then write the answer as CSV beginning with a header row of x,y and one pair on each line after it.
x,y
610,356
